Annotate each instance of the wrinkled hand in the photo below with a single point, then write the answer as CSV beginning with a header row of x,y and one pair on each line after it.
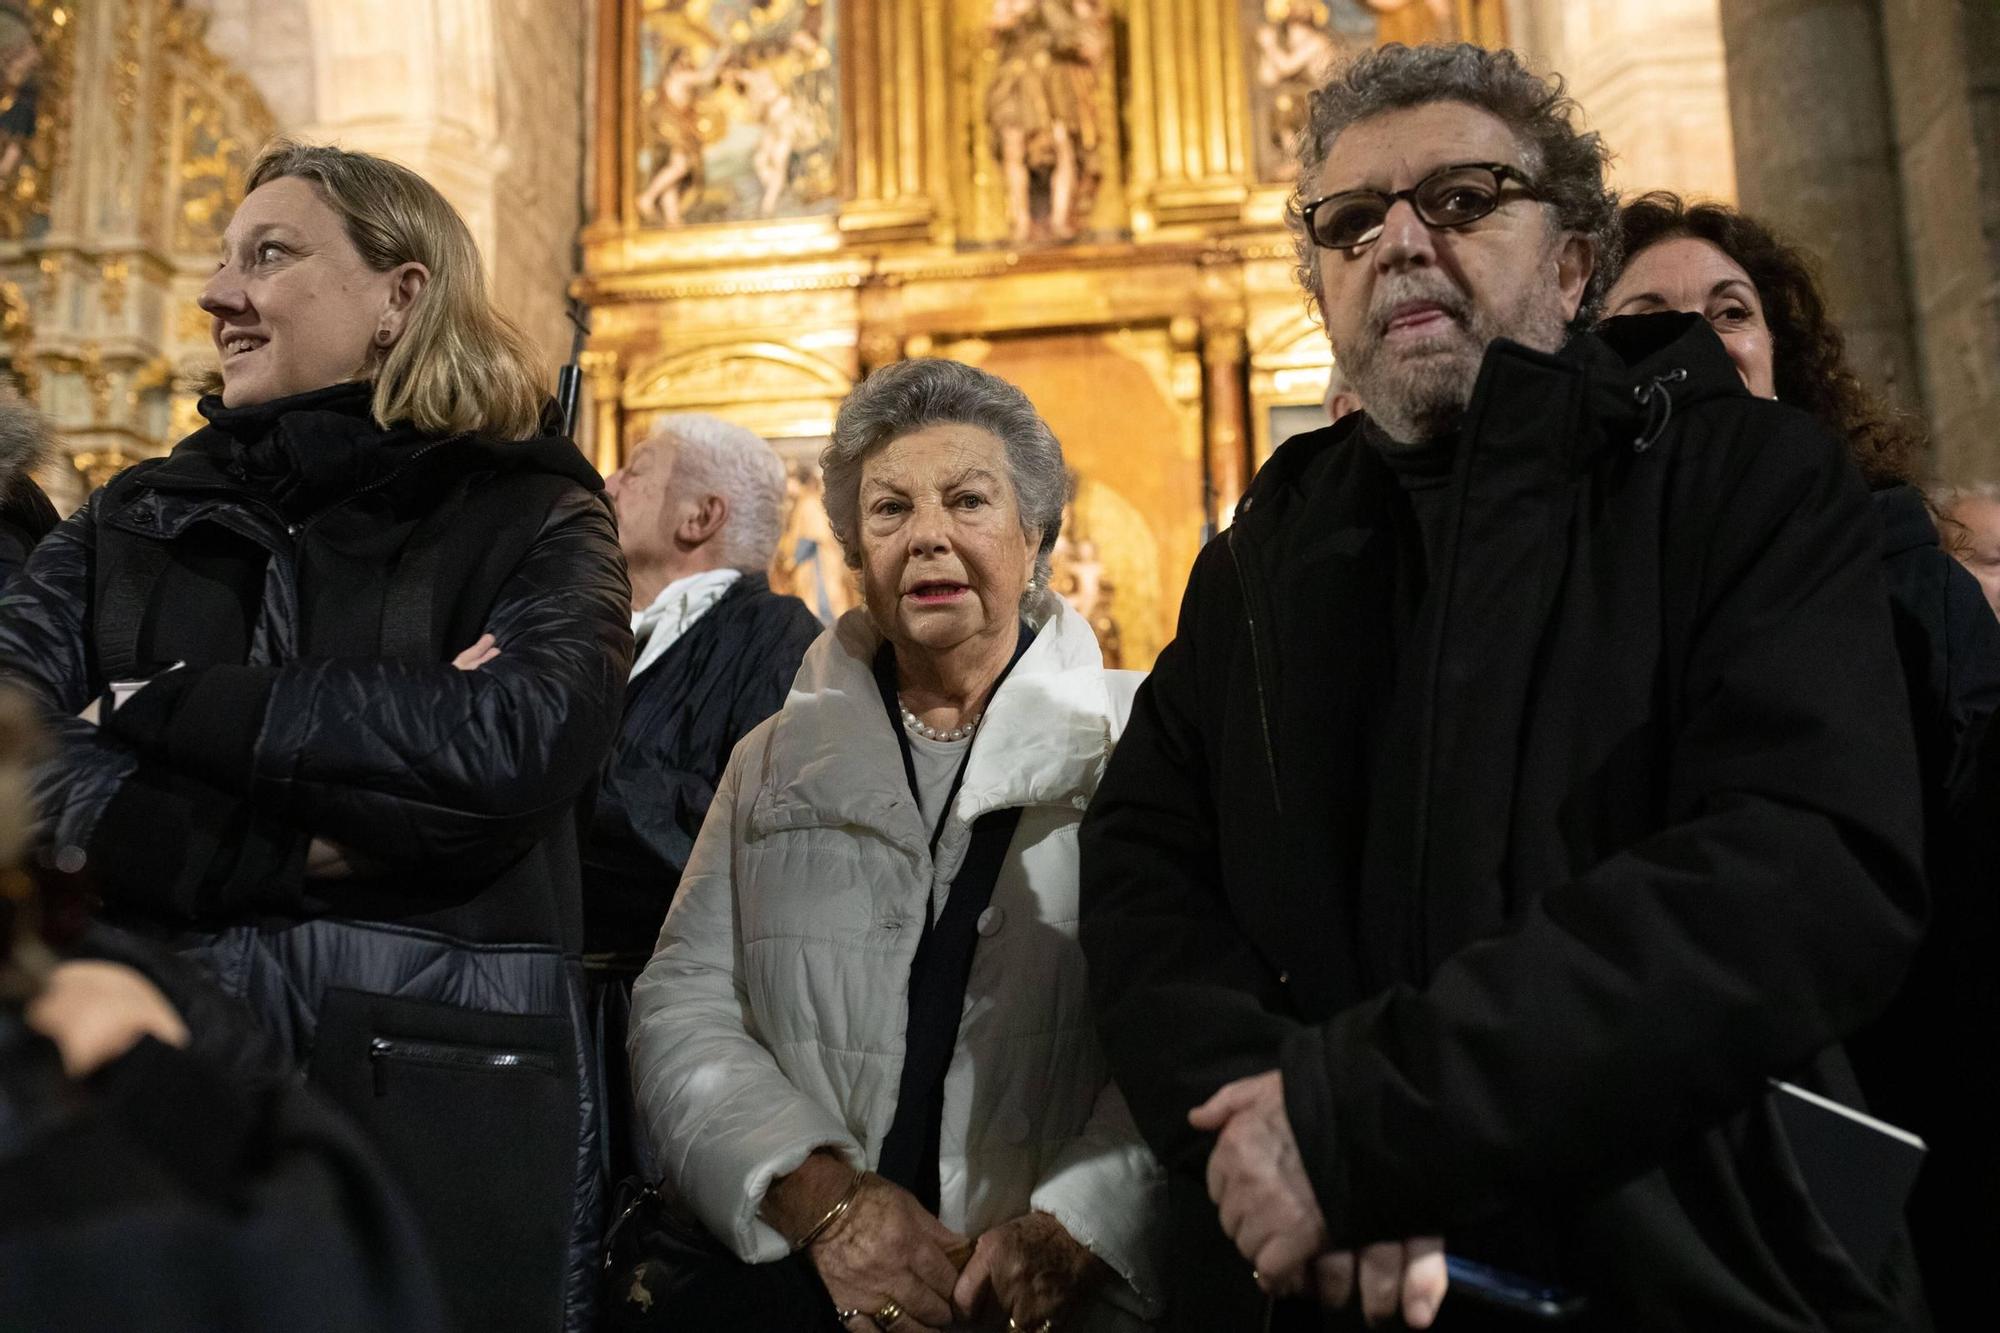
x,y
887,1247
1032,1266
1259,1183
484,650
1406,1275
1267,1206
95,1012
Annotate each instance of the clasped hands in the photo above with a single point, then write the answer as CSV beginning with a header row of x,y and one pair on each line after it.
x,y
887,1250
1267,1206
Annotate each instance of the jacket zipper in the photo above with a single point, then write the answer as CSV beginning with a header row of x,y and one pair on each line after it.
x,y
1257,668
449,1055
294,529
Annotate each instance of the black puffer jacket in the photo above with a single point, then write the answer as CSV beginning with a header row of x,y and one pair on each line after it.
x,y
1529,881
1914,1063
316,575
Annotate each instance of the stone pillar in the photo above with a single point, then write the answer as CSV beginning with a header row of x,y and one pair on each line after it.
x,y
1650,77
1944,86
1815,156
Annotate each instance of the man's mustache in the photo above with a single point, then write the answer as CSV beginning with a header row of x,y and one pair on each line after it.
x,y
1383,309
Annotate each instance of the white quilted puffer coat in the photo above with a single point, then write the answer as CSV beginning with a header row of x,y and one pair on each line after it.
x,y
771,1019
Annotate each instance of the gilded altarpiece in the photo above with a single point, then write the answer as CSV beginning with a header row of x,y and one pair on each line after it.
x,y
142,136
1079,195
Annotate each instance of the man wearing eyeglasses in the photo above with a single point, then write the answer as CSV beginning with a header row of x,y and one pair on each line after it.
x,y
1529,782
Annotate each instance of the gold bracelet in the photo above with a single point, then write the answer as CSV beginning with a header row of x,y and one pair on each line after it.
x,y
833,1214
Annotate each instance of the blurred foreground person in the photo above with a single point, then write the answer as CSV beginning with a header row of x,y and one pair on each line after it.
x,y
25,513
864,1046
1971,518
1761,298
700,504
159,1167
328,682
1528,783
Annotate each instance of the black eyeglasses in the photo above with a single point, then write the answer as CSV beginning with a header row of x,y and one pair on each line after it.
x,y
1448,197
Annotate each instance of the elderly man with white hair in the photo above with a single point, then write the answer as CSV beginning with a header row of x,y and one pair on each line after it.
x,y
700,504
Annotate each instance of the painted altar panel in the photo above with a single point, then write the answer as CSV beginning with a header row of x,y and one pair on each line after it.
x,y
737,111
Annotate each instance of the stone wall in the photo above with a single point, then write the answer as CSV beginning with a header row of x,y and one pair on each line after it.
x,y
539,189
1649,75
271,41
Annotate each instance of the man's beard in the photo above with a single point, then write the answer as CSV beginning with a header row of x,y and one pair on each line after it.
x,y
1419,392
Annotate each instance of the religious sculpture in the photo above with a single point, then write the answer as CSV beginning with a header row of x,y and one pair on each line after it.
x,y
1293,53
740,112
20,60
677,121
1042,108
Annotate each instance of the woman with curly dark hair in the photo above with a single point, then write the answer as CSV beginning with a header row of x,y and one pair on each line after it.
x,y
1926,1064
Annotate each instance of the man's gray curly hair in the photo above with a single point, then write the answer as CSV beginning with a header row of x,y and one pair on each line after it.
x,y
906,396
1567,164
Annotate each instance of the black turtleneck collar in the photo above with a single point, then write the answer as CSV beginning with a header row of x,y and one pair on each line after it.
x,y
300,453
1423,466
350,398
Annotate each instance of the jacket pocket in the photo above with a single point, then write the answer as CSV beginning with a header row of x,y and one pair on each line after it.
x,y
476,1115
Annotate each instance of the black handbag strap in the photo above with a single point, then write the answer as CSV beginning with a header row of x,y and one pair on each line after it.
x,y
943,965
120,604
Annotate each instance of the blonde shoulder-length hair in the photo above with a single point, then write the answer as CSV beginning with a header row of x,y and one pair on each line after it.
x,y
460,367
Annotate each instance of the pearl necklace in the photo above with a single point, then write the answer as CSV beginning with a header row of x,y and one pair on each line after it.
x,y
931,733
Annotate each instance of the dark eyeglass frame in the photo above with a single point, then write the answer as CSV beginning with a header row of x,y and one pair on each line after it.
x,y
1502,173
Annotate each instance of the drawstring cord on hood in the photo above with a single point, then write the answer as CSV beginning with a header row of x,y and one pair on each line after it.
x,y
1658,405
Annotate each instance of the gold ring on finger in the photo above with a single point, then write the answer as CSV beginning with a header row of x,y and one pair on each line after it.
x,y
888,1314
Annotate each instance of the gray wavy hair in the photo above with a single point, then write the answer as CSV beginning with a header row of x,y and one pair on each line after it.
x,y
909,395
1567,164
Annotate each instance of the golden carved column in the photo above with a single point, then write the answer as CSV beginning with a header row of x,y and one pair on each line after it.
x,y
1187,104
608,186
893,164
600,368
1223,356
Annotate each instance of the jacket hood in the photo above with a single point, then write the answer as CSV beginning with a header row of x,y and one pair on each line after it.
x,y
1045,738
25,439
1906,520
1640,369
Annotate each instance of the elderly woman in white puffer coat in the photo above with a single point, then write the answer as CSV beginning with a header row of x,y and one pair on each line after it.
x,y
864,1049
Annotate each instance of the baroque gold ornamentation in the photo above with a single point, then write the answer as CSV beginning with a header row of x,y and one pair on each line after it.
x,y
1158,341
36,65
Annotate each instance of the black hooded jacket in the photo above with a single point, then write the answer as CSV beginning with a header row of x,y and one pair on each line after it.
x,y
1917,1062
313,575
1530,867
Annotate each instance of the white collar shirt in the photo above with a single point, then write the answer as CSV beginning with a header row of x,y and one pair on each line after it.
x,y
674,611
